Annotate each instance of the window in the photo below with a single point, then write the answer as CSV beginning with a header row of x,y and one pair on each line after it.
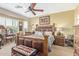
x,y
2,20
8,22
11,22
15,24
25,26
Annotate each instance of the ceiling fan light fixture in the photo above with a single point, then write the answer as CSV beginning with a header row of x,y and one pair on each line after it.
x,y
18,6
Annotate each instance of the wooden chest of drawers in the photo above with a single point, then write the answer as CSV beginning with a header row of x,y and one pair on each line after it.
x,y
59,40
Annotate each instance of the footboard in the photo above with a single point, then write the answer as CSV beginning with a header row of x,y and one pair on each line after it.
x,y
39,43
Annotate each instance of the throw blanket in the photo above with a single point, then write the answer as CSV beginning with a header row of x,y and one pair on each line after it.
x,y
50,41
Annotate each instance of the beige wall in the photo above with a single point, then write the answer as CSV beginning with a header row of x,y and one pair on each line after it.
x,y
63,20
76,21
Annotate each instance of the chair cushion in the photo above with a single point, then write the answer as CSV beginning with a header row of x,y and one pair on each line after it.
x,y
9,37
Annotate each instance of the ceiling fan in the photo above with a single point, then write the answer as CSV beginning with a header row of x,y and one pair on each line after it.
x,y
32,9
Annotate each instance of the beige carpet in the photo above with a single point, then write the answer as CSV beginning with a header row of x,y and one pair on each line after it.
x,y
56,50
61,51
6,49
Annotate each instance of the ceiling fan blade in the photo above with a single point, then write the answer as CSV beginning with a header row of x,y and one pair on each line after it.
x,y
33,12
38,10
33,5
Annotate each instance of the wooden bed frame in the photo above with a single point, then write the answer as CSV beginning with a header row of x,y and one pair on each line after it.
x,y
35,39
44,28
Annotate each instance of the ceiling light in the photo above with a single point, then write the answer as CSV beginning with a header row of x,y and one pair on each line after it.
x,y
18,6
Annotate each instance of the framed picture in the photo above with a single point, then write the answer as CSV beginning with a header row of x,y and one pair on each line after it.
x,y
44,20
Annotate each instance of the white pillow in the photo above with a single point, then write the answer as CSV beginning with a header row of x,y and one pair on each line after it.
x,y
47,33
38,33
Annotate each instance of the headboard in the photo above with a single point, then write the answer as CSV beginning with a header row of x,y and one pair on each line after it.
x,y
43,28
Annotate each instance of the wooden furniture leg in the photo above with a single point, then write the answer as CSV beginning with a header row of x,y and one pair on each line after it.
x,y
0,44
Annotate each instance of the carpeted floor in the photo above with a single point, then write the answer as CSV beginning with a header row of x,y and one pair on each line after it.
x,y
61,51
6,49
56,50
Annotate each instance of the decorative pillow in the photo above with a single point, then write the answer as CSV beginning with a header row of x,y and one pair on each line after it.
x,y
47,33
38,33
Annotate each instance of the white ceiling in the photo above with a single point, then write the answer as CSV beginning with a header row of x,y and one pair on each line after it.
x,y
47,7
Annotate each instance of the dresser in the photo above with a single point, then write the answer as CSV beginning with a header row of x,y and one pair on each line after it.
x,y
59,40
76,41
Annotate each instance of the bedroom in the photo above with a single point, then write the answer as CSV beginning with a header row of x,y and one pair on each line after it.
x,y
20,25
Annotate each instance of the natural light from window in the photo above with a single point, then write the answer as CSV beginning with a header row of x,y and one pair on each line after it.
x,y
25,26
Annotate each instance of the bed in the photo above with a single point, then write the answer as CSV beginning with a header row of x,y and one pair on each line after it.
x,y
42,43
48,30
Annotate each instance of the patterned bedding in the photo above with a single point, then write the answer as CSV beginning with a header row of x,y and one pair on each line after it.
x,y
50,41
50,37
21,49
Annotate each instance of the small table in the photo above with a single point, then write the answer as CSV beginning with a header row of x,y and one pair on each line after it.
x,y
22,50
